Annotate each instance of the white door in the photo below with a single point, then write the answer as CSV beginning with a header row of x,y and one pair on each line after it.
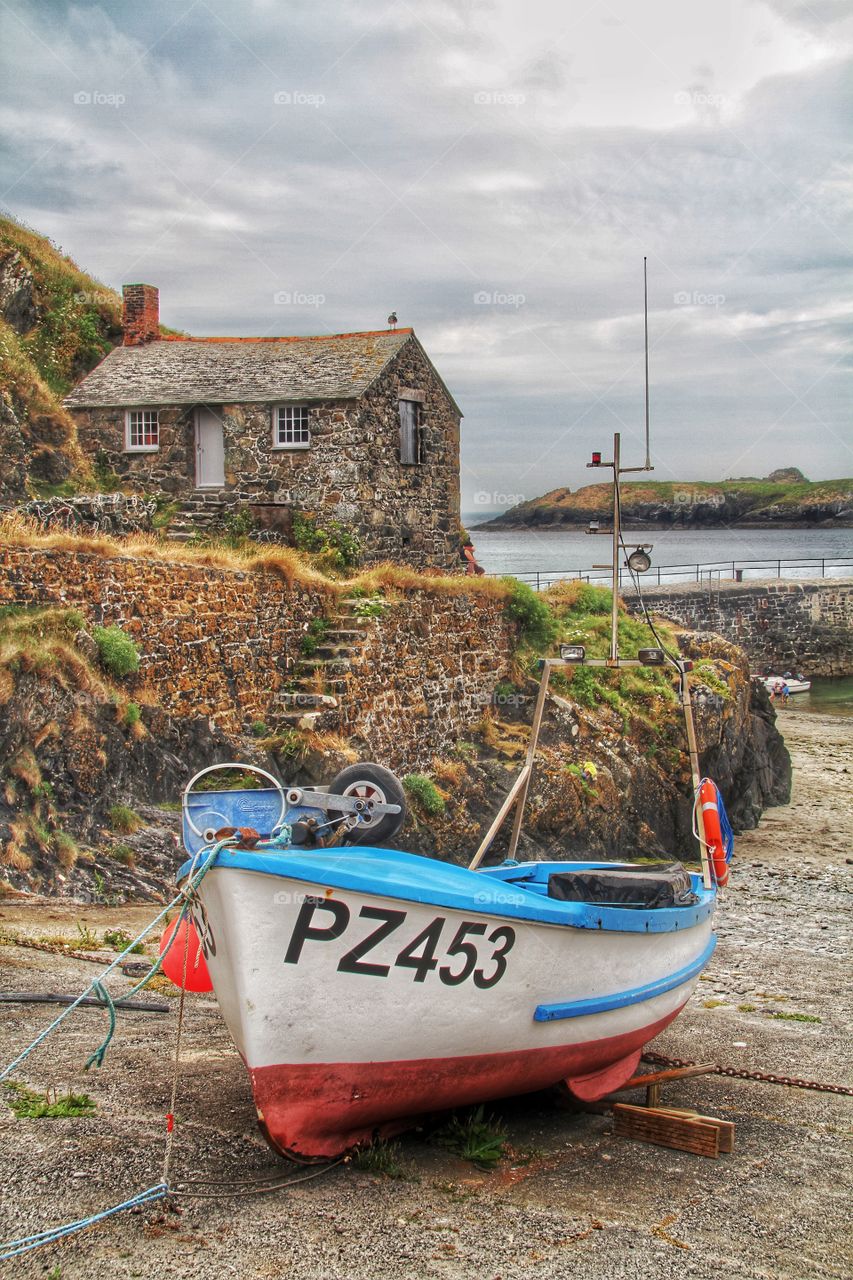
x,y
209,450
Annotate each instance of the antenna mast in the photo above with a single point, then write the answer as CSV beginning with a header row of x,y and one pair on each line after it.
x,y
649,466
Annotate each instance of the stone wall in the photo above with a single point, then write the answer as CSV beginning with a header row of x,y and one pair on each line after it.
x,y
783,625
351,473
213,643
424,673
224,645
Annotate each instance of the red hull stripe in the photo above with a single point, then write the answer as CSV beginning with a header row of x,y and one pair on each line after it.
x,y
320,1109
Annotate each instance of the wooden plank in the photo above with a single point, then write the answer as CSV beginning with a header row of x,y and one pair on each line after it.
x,y
725,1128
674,1073
664,1130
531,756
499,818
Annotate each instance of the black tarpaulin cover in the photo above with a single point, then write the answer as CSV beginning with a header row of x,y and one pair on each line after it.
x,y
655,884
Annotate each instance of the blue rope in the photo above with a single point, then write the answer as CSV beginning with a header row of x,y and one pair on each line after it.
x,y
11,1248
97,1058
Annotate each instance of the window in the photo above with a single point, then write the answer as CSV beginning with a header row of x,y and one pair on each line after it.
x,y
142,433
291,429
410,432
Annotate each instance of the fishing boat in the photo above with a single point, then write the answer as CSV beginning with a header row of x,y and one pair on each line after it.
x,y
365,986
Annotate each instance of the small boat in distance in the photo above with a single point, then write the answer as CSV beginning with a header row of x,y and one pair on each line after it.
x,y
775,685
366,987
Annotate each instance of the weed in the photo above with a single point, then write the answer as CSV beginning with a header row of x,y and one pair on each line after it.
x,y
373,607
339,548
794,1017
124,820
746,1008
477,1138
86,939
29,1104
260,728
117,652
131,715
536,624
424,793
314,636
379,1157
118,940
124,854
714,1004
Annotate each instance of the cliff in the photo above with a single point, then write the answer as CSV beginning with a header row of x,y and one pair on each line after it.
x,y
784,499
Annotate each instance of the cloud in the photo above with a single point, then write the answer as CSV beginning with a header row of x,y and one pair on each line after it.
x,y
422,158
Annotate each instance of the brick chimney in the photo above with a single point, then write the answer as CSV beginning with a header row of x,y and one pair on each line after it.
x,y
141,314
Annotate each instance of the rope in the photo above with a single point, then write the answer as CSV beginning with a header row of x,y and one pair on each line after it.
x,y
193,880
170,1115
11,1248
259,1190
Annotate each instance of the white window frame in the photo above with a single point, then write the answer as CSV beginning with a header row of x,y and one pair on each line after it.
x,y
143,429
300,428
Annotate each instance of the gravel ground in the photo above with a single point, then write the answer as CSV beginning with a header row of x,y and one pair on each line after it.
x,y
571,1199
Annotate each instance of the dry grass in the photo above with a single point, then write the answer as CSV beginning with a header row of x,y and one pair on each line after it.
x,y
293,566
451,772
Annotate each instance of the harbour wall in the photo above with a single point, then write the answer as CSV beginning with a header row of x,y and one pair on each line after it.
x,y
226,645
785,625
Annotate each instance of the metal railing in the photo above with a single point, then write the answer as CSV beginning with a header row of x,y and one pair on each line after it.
x,y
714,571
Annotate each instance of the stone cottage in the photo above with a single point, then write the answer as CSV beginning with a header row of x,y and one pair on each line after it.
x,y
353,427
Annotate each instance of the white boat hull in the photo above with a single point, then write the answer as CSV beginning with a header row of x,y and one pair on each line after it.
x,y
348,1030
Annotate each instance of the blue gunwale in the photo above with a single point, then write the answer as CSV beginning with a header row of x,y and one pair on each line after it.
x,y
408,877
621,999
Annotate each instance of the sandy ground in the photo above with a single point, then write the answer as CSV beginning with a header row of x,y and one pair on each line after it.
x,y
573,1199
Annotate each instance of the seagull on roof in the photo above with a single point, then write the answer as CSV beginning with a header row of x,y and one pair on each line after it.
x,y
392,320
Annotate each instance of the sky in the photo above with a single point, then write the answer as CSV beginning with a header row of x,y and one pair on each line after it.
x,y
495,173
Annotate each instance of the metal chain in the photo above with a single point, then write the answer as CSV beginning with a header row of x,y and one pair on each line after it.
x,y
765,1077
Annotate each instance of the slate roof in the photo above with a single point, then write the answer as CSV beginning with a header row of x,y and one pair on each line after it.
x,y
232,370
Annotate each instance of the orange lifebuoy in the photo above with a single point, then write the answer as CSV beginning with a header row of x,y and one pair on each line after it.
x,y
713,832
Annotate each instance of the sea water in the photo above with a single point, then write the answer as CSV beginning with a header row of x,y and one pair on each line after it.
x,y
572,551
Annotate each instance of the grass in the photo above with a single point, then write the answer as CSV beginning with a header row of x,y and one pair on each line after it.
x,y
124,820
29,1104
123,854
714,1004
379,1157
424,794
118,940
781,1016
476,1137
117,652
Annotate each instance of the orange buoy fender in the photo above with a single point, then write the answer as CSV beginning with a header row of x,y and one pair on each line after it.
x,y
197,975
713,832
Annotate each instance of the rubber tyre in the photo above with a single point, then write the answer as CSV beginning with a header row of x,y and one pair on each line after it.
x,y
380,783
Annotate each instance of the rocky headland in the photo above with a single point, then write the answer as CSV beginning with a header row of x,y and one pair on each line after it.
x,y
784,500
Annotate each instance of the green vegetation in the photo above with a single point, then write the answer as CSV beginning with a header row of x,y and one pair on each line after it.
x,y
260,728
794,1017
131,715
124,854
314,636
476,1137
424,793
337,547
106,480
117,652
124,820
379,1157
717,502
372,607
536,623
29,1104
118,940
